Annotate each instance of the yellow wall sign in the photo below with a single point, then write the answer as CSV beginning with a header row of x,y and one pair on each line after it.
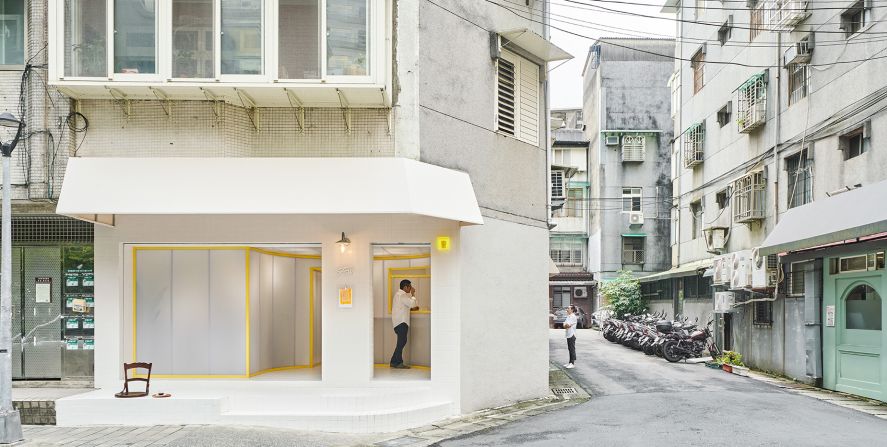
x,y
345,297
443,243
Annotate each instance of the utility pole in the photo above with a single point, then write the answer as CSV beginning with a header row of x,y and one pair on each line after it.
x,y
10,420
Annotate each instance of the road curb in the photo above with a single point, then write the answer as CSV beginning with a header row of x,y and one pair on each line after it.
x,y
851,401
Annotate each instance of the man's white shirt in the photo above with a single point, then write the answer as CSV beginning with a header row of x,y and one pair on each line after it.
x,y
571,320
400,307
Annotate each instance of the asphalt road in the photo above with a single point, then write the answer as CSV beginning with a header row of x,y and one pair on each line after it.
x,y
643,401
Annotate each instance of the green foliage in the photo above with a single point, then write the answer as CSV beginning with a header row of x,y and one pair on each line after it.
x,y
731,358
624,295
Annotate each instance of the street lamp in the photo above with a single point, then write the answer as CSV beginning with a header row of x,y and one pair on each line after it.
x,y
10,420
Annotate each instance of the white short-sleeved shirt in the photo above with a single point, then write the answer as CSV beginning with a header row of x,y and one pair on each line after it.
x,y
571,320
400,308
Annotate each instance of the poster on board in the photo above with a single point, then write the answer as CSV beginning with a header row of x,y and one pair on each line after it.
x,y
345,297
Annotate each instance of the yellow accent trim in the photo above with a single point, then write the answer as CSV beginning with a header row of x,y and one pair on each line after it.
x,y
191,247
284,254
311,298
193,376
134,276
420,367
391,278
247,260
280,368
396,257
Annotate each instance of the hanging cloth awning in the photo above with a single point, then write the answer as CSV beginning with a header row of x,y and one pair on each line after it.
x,y
97,189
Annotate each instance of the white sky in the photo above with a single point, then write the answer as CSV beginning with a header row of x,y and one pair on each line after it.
x,y
566,80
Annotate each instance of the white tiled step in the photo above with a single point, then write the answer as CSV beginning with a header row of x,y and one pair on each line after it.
x,y
360,422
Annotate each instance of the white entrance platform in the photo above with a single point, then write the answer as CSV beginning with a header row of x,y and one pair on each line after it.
x,y
384,406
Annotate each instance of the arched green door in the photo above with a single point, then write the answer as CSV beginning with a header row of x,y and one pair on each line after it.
x,y
858,335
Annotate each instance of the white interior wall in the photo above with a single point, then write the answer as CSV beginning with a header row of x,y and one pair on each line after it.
x,y
347,348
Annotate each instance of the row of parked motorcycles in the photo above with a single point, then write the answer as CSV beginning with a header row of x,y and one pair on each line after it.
x,y
674,340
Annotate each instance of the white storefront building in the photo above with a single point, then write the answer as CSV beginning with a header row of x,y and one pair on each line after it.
x,y
258,196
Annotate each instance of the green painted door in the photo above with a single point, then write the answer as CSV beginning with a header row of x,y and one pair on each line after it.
x,y
853,337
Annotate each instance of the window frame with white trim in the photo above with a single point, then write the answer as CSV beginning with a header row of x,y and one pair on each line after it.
x,y
21,22
518,97
631,254
632,199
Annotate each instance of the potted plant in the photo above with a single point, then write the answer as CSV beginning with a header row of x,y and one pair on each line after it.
x,y
731,361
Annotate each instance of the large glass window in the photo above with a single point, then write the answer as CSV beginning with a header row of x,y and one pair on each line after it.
x,y
242,37
299,39
631,199
347,44
135,36
86,51
863,308
193,39
12,27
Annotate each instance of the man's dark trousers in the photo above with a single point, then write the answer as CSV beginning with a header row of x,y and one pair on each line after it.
x,y
571,346
401,331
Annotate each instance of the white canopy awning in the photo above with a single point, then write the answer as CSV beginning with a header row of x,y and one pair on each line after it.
x,y
536,45
686,269
96,189
842,217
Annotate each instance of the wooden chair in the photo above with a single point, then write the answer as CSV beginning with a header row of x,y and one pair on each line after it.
x,y
126,379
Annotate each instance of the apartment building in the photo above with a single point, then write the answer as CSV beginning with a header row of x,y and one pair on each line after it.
x,y
779,111
627,123
568,247
258,176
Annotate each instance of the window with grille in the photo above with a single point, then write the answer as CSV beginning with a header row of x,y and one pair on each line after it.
x,y
798,82
763,312
784,15
697,210
800,179
557,184
749,194
518,98
694,139
631,199
796,280
697,63
567,252
751,112
756,20
632,250
633,147
575,206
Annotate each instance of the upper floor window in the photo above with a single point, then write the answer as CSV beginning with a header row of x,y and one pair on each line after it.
x,y
756,20
853,143
631,199
798,82
800,179
697,210
853,19
12,26
517,97
221,40
557,184
697,63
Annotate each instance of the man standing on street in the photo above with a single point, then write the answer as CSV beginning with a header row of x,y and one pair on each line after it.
x,y
570,330
404,301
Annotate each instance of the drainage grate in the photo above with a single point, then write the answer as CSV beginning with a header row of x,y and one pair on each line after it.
x,y
563,391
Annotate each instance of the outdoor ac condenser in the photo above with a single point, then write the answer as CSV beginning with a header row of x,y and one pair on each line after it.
x,y
740,277
580,292
765,270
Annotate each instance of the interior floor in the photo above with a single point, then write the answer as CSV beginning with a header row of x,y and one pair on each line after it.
x,y
385,372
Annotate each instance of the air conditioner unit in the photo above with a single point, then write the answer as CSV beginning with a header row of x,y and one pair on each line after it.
x,y
612,140
580,292
722,270
724,302
765,270
716,238
740,276
636,218
799,53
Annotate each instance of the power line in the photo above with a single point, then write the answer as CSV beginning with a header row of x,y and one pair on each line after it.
x,y
716,8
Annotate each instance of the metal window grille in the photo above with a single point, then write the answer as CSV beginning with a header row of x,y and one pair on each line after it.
x,y
634,147
763,312
784,15
748,197
697,210
557,184
567,252
796,280
694,139
752,101
798,82
50,229
632,250
507,98
800,179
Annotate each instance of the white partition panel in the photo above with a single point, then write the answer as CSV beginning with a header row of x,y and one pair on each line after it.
x,y
153,332
227,311
284,317
255,312
190,312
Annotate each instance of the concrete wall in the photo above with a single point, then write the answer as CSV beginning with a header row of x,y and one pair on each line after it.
x,y
628,91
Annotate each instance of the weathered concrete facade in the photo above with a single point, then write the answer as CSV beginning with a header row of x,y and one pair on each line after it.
x,y
625,96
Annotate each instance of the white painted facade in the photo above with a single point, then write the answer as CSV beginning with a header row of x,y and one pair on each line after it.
x,y
411,104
